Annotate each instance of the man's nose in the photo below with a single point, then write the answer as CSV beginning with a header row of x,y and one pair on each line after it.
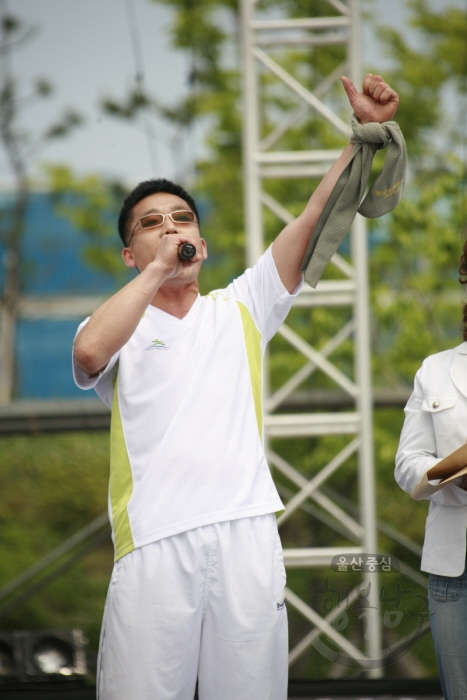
x,y
170,226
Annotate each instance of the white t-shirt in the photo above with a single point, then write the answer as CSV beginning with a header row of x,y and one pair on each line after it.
x,y
186,427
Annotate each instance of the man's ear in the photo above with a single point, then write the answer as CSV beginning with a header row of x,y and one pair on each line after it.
x,y
205,248
128,258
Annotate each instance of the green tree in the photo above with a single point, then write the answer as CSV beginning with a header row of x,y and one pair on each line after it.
x,y
91,203
51,486
417,298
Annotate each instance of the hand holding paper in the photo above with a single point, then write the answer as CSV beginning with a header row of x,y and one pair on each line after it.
x,y
451,467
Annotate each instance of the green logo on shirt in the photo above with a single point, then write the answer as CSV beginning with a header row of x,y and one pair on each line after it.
x,y
157,345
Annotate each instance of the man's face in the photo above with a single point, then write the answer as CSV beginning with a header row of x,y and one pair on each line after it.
x,y
144,243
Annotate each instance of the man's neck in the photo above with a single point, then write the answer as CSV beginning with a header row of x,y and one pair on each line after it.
x,y
176,300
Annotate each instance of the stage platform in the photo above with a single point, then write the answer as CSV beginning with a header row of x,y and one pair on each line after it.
x,y
384,689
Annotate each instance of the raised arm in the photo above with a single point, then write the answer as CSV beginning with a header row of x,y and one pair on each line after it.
x,y
377,102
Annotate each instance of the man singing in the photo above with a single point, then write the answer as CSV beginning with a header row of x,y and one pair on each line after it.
x,y
197,591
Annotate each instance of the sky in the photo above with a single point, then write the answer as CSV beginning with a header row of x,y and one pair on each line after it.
x,y
83,47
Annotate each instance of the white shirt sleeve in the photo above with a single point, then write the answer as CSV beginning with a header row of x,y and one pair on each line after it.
x,y
102,382
261,290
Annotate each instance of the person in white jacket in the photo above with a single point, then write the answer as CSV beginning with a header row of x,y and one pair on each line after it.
x,y
435,426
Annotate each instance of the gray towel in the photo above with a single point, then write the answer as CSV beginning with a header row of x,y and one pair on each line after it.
x,y
346,198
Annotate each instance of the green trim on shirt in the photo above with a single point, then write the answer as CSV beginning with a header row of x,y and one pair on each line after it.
x,y
253,349
120,483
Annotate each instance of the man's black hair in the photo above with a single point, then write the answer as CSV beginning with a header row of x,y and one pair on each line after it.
x,y
144,189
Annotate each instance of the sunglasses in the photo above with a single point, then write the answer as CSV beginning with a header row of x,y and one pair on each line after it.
x,y
183,216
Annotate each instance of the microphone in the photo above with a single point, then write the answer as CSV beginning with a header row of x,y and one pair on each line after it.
x,y
186,251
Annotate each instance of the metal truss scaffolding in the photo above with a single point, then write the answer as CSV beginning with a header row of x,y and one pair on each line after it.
x,y
267,42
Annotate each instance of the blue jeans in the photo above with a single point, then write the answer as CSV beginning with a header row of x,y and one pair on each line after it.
x,y
448,616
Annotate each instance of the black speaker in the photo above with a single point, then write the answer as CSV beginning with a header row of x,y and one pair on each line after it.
x,y
11,656
47,654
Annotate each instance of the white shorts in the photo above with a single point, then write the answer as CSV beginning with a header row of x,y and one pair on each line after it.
x,y
206,604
